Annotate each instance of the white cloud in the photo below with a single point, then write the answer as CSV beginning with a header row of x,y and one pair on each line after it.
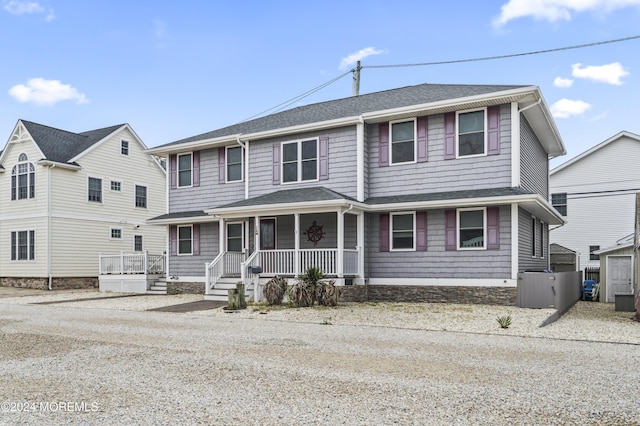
x,y
358,56
562,82
610,73
565,108
46,92
555,10
18,8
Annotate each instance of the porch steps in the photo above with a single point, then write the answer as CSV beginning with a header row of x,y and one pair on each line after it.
x,y
159,287
220,292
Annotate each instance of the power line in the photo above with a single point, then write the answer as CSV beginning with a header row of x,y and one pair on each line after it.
x,y
490,58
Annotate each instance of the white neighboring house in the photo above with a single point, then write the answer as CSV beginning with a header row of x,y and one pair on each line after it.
x,y
595,191
67,197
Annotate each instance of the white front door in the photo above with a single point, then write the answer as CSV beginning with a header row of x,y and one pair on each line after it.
x,y
619,274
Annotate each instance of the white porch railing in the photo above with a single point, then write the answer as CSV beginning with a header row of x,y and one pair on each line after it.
x,y
137,263
226,263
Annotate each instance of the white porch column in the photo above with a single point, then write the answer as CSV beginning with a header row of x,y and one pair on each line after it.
x,y
515,249
340,256
360,238
296,258
221,240
256,233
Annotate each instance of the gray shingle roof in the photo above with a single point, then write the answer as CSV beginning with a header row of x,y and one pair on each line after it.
x,y
351,107
180,215
61,146
448,195
286,196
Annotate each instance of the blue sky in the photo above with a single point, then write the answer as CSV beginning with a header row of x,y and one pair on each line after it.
x,y
177,69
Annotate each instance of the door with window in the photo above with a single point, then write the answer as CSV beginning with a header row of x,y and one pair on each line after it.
x,y
619,274
267,234
235,237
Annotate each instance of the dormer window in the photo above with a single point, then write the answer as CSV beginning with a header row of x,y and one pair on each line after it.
x,y
23,179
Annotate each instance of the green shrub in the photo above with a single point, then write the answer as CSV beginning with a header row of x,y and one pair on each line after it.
x,y
504,321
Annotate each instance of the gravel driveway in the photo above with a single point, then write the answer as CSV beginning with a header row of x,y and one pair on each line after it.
x,y
109,361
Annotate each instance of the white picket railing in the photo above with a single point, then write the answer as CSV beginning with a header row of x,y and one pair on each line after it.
x,y
136,263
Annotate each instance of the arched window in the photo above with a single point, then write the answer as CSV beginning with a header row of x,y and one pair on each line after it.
x,y
23,179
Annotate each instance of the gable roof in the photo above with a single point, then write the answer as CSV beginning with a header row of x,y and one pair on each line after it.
x,y
61,146
595,149
381,106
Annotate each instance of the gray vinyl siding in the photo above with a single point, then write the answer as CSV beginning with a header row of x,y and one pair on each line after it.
x,y
534,164
342,163
436,262
526,237
438,174
194,266
285,231
210,193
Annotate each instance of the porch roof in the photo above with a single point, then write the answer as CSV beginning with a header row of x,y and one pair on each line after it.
x,y
181,217
316,198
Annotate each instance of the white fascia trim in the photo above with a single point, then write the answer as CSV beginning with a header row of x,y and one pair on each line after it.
x,y
486,97
446,282
182,220
5,151
52,164
194,145
274,209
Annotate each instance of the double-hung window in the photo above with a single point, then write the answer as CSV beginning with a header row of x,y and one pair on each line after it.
x,y
141,196
534,227
403,226
185,168
124,147
541,240
471,228
593,256
300,161
403,142
138,243
23,179
95,190
185,240
472,133
23,245
234,164
559,202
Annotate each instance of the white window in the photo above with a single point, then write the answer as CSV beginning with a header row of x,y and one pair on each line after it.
x,y
116,186
23,179
141,196
95,190
403,235
23,245
472,225
137,243
472,133
185,167
300,161
235,237
185,240
124,147
559,202
234,164
403,142
116,233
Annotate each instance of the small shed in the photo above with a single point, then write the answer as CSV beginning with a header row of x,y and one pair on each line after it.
x,y
562,258
617,269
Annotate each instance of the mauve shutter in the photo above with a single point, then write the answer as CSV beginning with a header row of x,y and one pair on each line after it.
x,y
196,239
421,231
450,230
324,158
196,168
383,146
423,125
493,228
493,133
276,164
173,162
173,238
221,165
450,136
384,232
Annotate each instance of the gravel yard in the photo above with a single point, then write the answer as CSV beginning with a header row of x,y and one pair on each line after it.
x,y
108,361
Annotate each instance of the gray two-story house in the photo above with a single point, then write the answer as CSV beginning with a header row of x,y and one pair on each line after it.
x,y
422,190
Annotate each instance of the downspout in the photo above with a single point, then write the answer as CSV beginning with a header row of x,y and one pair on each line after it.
x,y
245,147
49,226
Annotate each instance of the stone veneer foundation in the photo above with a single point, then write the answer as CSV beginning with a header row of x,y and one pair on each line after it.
x,y
60,283
184,288
429,294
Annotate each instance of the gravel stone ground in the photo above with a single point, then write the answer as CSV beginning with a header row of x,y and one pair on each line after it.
x,y
110,362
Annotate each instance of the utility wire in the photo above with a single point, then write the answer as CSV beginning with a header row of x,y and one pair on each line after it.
x,y
291,101
490,58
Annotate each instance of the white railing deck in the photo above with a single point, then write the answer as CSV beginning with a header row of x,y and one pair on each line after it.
x,y
135,263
